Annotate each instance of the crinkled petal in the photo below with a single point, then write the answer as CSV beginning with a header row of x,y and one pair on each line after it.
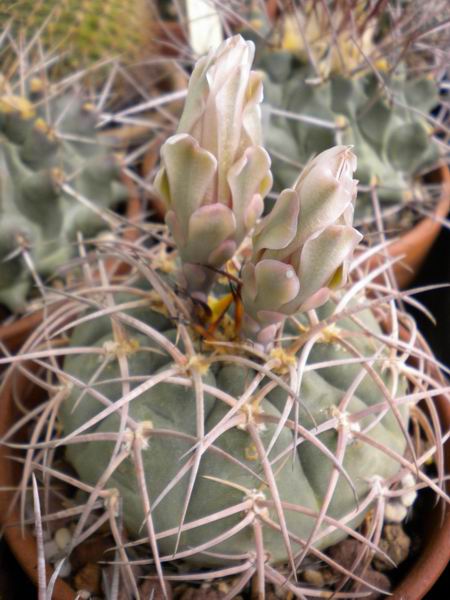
x,y
209,227
228,106
269,317
278,229
251,118
190,171
248,177
221,130
198,88
248,283
340,160
253,211
322,256
326,187
276,284
322,201
222,253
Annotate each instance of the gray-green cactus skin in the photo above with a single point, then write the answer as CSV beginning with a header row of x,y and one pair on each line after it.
x,y
42,145
391,139
301,477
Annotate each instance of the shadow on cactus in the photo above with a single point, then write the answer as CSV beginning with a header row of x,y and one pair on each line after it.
x,y
58,180
239,404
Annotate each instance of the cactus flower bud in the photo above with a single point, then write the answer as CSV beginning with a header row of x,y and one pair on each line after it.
x,y
214,172
302,249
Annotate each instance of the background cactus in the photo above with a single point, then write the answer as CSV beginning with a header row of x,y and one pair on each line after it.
x,y
83,32
339,73
393,140
57,178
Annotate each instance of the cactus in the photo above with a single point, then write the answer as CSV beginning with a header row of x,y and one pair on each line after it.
x,y
85,32
339,74
232,424
44,165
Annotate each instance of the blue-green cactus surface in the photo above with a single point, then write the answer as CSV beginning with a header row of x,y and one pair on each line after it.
x,y
301,476
384,122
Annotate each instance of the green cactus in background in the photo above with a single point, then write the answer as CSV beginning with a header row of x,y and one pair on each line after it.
x,y
44,165
391,138
341,74
84,31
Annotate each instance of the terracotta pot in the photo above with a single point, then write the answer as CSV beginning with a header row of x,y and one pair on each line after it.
x,y
415,244
22,544
13,334
425,571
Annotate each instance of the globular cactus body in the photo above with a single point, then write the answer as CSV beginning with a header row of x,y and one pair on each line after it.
x,y
301,476
36,159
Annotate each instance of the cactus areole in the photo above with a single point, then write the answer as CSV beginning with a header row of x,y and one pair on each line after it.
x,y
246,443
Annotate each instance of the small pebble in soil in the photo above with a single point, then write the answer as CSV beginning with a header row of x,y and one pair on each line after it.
x,y
279,593
92,550
50,549
377,579
345,553
204,592
65,569
410,495
395,511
